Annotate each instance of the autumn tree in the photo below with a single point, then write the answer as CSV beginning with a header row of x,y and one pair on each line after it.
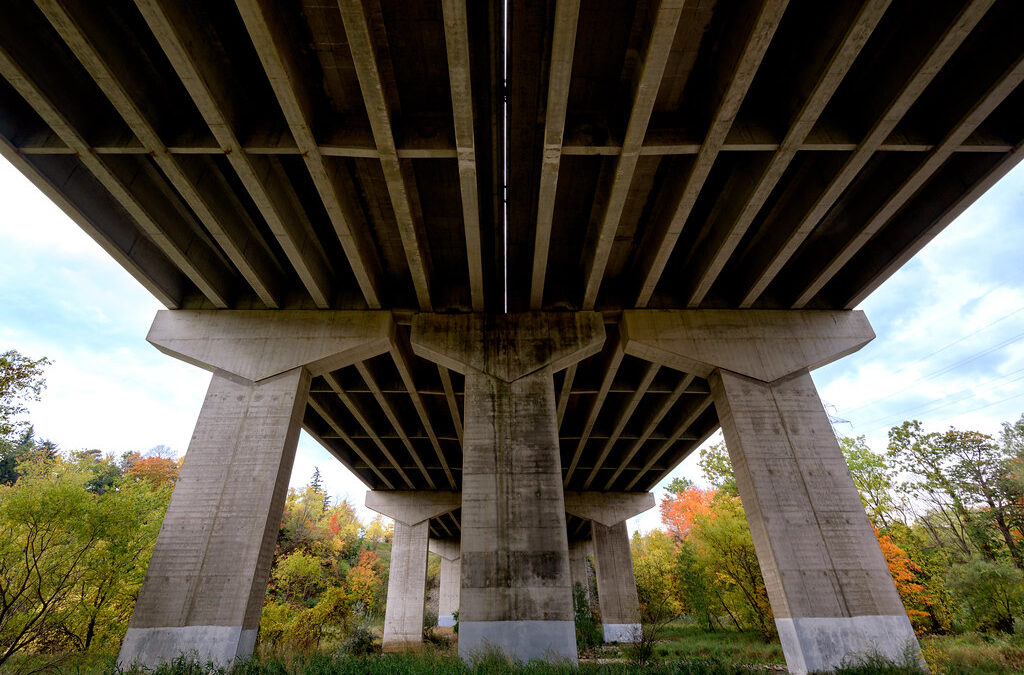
x,y
21,381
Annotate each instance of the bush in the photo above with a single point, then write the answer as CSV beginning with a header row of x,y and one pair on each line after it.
x,y
990,594
588,632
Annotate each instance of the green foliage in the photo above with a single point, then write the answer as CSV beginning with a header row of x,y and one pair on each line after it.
x,y
714,462
990,593
71,560
588,629
21,381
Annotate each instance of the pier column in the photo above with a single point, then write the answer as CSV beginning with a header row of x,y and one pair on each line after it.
x,y
206,581
407,574
450,582
613,560
828,583
516,589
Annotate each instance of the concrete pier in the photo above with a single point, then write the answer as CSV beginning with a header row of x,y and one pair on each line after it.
x,y
516,587
827,580
450,581
407,575
613,561
578,565
206,581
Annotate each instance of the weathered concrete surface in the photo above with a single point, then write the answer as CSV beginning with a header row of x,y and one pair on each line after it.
x,y
763,344
608,508
407,577
616,585
205,584
450,581
827,580
258,344
516,587
578,565
206,581
412,506
508,346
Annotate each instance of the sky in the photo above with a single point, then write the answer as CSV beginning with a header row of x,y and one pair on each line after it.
x,y
949,349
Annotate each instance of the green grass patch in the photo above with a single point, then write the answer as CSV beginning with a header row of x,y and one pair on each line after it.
x,y
683,641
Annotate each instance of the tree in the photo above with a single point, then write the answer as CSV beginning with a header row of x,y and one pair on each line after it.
x,y
874,479
21,381
717,467
679,511
990,592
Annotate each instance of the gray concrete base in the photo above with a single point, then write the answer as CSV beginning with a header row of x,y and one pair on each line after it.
x,y
149,647
445,620
815,644
621,632
520,640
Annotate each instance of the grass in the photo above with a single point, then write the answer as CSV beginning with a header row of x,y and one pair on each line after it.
x,y
685,650
728,647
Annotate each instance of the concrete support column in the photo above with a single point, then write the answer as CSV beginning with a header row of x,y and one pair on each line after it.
x,y
516,588
827,580
206,581
613,561
451,580
616,585
578,573
407,575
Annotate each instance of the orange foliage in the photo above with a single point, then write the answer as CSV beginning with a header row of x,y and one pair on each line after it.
x,y
679,512
159,471
904,574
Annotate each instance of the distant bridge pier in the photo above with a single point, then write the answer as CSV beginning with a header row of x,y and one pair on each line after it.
x,y
828,583
206,581
613,559
516,590
450,582
407,575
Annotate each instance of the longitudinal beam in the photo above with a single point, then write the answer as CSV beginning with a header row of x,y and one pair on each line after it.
x,y
612,367
559,76
977,114
651,427
397,174
326,416
130,187
731,233
396,423
113,71
456,34
957,32
740,77
287,79
659,49
362,420
203,73
403,363
641,390
672,440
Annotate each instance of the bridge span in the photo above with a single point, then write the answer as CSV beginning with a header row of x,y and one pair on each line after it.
x,y
510,262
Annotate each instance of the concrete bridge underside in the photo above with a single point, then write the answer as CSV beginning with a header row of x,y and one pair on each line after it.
x,y
698,193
